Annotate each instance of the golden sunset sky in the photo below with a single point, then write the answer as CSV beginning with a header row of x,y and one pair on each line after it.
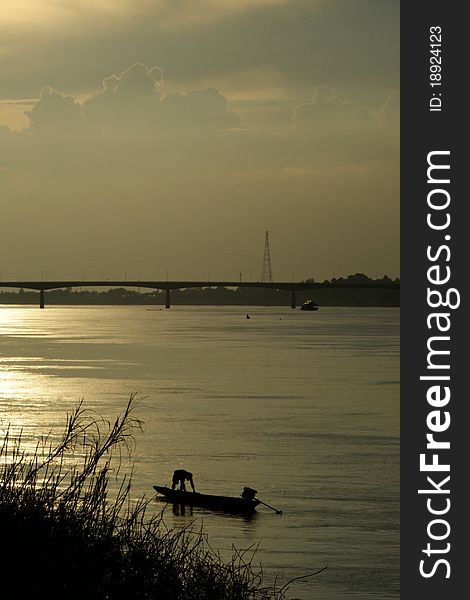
x,y
146,136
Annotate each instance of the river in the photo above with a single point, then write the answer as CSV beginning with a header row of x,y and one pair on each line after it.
x,y
304,407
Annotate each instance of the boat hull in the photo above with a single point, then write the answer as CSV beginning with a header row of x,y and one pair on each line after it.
x,y
309,305
228,504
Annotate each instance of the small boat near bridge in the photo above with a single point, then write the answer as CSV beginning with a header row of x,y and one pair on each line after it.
x,y
309,305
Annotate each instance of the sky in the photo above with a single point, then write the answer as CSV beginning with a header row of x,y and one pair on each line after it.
x,y
155,138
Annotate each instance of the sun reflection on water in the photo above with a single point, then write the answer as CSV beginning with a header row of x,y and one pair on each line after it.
x,y
235,401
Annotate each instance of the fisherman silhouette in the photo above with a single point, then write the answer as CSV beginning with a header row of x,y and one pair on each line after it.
x,y
180,476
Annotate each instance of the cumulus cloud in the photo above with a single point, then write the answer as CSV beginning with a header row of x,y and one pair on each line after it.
x,y
248,49
132,105
131,161
226,142
136,77
132,110
127,101
346,129
129,105
199,109
54,111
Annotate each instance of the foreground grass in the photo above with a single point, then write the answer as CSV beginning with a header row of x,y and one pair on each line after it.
x,y
62,536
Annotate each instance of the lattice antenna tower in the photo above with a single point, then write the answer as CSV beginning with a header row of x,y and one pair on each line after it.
x,y
266,271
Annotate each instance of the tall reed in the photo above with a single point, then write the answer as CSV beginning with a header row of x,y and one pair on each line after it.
x,y
64,537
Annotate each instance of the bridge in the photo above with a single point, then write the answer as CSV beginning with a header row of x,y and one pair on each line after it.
x,y
167,286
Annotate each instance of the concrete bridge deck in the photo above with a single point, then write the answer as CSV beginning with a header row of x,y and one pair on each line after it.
x,y
292,286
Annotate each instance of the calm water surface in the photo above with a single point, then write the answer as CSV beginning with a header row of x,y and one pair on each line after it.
x,y
304,407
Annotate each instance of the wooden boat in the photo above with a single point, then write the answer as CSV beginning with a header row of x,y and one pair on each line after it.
x,y
229,504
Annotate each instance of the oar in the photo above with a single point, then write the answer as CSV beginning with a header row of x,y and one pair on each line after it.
x,y
278,512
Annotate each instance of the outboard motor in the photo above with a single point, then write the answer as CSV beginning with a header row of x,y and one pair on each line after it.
x,y
249,493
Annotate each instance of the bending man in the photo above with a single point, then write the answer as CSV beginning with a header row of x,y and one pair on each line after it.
x,y
180,476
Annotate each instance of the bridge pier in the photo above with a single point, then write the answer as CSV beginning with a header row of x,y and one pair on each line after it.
x,y
293,303
167,298
41,298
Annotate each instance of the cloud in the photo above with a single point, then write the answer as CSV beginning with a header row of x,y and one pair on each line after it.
x,y
13,113
114,176
130,105
193,13
133,99
54,111
126,101
119,138
199,109
247,49
346,129
47,14
44,14
136,77
219,142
